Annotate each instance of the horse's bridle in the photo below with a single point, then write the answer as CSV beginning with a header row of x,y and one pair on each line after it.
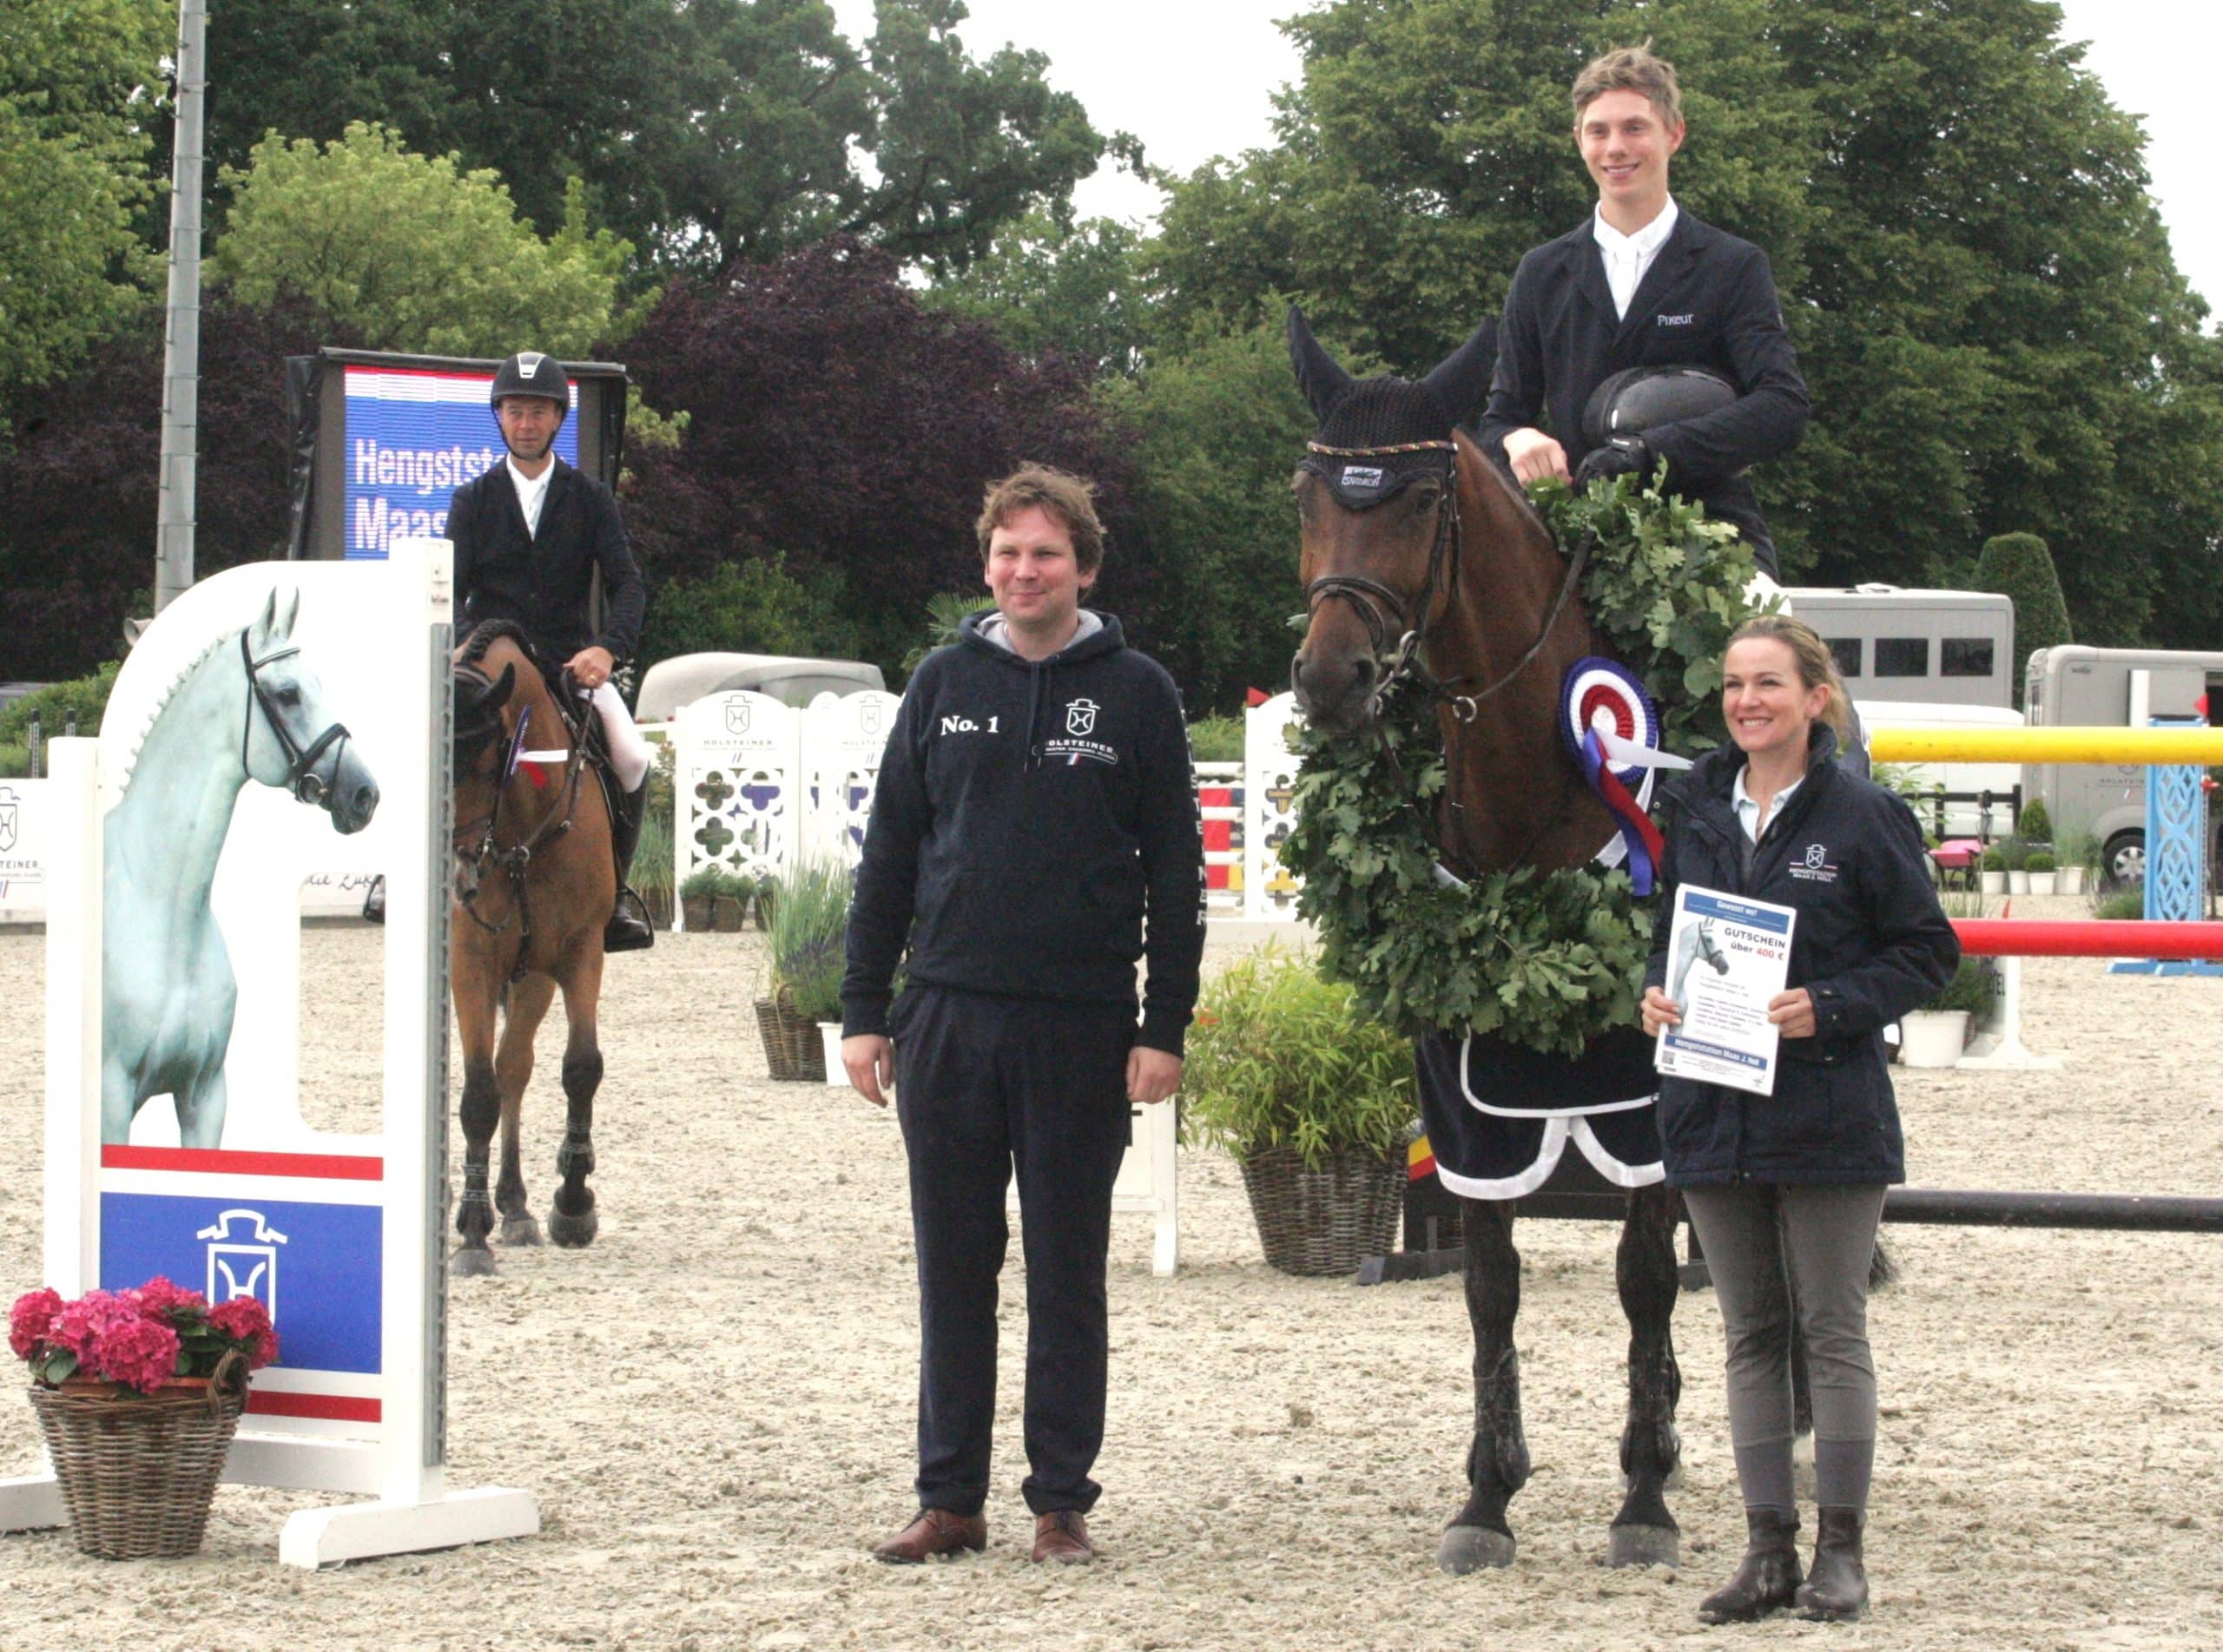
x,y
301,761
1379,608
515,860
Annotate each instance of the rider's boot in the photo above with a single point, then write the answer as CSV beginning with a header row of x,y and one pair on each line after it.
x,y
1767,1579
1835,1590
374,901
628,930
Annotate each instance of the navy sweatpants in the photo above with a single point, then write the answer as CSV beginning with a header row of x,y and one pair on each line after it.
x,y
984,1084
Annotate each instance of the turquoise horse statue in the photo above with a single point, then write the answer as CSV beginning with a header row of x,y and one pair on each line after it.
x,y
249,709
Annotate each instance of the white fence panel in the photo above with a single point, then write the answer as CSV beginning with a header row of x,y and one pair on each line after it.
x,y
737,790
843,736
1268,782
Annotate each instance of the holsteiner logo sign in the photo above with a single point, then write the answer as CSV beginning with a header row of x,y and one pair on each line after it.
x,y
22,848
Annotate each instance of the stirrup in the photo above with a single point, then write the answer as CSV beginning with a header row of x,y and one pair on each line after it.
x,y
629,929
374,901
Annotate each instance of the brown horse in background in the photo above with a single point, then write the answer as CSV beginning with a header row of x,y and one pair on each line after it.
x,y
535,884
1418,555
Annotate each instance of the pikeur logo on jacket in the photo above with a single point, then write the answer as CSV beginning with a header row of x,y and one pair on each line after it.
x,y
1029,817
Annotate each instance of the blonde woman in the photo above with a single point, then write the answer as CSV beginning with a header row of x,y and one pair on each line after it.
x,y
1786,1190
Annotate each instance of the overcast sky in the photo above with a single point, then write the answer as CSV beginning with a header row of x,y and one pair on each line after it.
x,y
1194,78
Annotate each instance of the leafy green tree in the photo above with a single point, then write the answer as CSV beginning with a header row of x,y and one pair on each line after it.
x,y
414,253
1079,291
1979,285
75,79
2019,566
753,607
1216,433
710,133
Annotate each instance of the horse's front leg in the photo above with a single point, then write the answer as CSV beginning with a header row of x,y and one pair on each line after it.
x,y
1497,1461
528,1001
201,1105
1643,1532
572,1222
481,1107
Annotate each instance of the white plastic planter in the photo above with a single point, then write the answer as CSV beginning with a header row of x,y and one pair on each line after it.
x,y
2043,883
1933,1037
2072,880
1994,883
2018,883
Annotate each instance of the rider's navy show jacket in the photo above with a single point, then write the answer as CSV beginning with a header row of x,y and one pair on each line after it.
x,y
1870,944
544,581
1708,300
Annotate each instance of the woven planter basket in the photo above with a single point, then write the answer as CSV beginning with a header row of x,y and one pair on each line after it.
x,y
138,1471
1325,1220
792,1047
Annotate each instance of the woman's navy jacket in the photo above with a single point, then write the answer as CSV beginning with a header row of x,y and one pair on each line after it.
x,y
1871,943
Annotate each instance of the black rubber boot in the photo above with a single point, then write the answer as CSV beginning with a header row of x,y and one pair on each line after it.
x,y
374,901
629,929
1767,1580
1836,1591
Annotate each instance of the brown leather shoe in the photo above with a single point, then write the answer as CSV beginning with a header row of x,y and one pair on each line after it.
x,y
933,1531
1062,1536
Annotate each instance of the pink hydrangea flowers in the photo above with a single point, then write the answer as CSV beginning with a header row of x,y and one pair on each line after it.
x,y
141,1338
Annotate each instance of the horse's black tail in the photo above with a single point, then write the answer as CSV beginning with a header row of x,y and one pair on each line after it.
x,y
1882,1270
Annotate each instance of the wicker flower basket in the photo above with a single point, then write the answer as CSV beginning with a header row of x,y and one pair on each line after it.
x,y
792,1047
1326,1220
138,1471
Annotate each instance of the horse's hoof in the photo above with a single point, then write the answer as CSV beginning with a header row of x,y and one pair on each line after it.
x,y
1644,1546
573,1233
472,1261
522,1229
1466,1549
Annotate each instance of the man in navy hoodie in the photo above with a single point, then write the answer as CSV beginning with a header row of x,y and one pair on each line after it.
x,y
1638,288
1033,834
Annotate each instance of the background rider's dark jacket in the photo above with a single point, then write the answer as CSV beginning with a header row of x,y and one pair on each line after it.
x,y
543,581
1027,816
1708,300
1870,944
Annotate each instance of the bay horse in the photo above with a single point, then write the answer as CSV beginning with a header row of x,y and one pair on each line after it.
x,y
534,886
1419,555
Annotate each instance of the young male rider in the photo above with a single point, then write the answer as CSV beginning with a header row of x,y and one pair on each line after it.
x,y
1035,809
529,534
1598,321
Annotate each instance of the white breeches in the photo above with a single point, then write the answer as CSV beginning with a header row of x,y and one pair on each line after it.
x,y
629,756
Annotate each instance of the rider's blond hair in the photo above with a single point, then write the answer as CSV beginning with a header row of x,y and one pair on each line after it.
x,y
1631,69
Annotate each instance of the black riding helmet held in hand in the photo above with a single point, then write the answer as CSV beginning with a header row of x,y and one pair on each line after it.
x,y
1630,403
531,374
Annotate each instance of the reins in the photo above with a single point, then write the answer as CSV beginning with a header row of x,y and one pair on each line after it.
x,y
1378,606
515,860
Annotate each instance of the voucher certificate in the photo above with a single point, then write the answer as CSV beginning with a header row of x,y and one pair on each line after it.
x,y
1726,957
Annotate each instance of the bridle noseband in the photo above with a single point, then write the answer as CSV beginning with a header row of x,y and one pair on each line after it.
x,y
301,761
1380,608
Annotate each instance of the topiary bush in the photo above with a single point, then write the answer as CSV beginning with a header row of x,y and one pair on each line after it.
x,y
2020,567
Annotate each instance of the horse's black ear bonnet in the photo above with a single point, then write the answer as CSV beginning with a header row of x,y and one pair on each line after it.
x,y
1377,435
1643,398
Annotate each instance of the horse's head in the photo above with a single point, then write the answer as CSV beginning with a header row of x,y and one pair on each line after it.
x,y
1378,495
293,743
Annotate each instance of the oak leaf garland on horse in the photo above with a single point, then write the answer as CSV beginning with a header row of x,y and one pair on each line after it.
x,y
1446,838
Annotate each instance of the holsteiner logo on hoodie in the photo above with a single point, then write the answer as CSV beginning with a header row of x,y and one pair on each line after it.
x,y
1074,745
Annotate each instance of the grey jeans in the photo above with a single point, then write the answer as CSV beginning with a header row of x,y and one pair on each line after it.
x,y
1767,1248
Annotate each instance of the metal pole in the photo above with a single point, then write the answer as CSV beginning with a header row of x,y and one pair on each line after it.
x,y
181,335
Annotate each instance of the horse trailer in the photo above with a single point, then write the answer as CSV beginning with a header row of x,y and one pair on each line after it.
x,y
2085,687
1932,647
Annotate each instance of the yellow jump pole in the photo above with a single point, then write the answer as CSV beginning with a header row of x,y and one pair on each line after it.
x,y
2107,745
